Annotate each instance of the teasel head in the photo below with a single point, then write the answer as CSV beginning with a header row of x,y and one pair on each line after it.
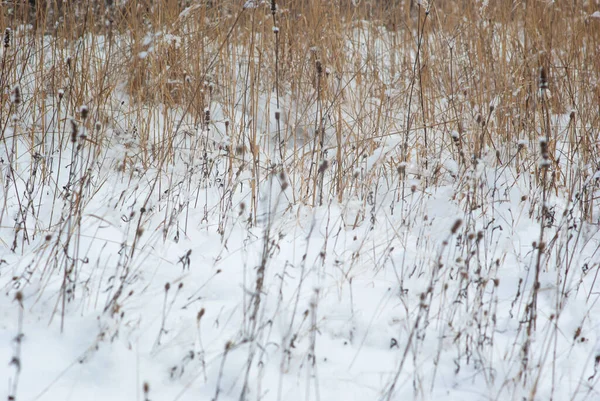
x,y
273,7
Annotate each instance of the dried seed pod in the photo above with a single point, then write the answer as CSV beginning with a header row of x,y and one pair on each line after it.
x,y
74,130
543,78
319,67
323,166
456,226
7,38
16,96
84,112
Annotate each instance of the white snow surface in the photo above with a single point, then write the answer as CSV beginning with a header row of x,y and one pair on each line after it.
x,y
344,313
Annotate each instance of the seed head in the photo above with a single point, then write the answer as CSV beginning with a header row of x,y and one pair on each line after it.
x,y
207,116
543,79
16,96
84,112
323,166
74,130
456,225
7,37
319,67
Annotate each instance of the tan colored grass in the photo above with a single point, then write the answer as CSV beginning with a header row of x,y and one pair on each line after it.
x,y
470,55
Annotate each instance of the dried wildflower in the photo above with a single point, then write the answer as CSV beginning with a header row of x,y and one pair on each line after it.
x,y
543,79
319,67
16,96
401,168
545,163
456,226
84,112
283,180
206,116
7,38
74,130
323,166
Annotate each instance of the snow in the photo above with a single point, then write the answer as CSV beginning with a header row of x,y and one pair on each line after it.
x,y
376,295
340,306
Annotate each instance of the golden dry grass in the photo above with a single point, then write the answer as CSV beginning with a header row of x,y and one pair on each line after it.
x,y
446,61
